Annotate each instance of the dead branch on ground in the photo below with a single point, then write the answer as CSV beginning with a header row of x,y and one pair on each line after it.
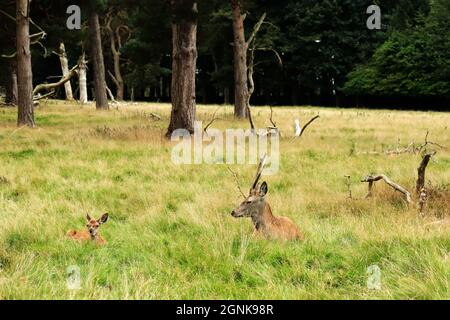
x,y
48,86
45,96
371,179
299,130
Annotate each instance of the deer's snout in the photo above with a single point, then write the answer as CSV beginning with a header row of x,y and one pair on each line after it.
x,y
236,214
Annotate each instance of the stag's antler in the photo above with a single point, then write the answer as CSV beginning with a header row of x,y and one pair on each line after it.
x,y
261,165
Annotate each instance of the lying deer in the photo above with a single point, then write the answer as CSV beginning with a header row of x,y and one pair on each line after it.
x,y
258,209
92,232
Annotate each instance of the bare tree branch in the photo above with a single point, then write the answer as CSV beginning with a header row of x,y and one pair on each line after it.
x,y
211,121
371,179
256,29
48,86
39,97
307,124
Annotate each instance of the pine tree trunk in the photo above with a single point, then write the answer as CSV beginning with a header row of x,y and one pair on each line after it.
x,y
184,59
240,63
82,79
11,89
65,70
101,99
24,71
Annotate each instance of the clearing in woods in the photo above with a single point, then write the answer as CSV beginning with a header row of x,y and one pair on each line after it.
x,y
170,233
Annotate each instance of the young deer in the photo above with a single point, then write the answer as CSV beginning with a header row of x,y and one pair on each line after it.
x,y
92,230
258,209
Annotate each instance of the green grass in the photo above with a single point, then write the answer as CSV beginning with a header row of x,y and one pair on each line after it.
x,y
170,233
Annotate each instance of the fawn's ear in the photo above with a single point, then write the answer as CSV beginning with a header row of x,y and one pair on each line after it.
x,y
103,219
88,217
263,189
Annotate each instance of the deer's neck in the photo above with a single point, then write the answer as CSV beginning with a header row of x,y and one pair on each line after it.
x,y
264,218
93,237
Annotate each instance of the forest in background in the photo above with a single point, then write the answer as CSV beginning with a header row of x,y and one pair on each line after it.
x,y
312,52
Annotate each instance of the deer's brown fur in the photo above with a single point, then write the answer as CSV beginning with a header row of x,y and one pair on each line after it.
x,y
266,224
91,234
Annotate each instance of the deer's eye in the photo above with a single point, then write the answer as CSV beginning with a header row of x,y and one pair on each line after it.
x,y
248,202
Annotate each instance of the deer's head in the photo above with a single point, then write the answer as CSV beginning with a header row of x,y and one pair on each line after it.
x,y
93,225
254,204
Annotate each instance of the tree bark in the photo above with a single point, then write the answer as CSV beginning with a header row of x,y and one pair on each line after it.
x,y
226,96
65,70
184,59
240,62
116,44
82,79
420,184
11,93
24,71
101,99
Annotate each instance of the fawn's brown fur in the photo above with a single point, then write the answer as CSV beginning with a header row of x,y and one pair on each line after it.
x,y
258,209
92,230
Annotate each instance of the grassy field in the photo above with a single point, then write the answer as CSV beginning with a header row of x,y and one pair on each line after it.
x,y
170,233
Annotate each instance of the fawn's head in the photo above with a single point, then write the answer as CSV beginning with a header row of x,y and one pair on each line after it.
x,y
93,224
254,204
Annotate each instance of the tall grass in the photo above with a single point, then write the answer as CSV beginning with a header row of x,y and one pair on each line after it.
x,y
170,233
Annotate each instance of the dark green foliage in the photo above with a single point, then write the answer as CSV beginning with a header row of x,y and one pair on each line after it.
x,y
412,62
326,49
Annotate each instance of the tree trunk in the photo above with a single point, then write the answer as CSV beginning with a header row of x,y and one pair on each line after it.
x,y
65,70
240,62
184,59
11,93
24,71
226,95
420,184
82,76
101,99
132,97
115,50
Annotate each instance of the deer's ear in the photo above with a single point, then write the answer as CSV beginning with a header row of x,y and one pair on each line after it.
x,y
88,217
263,189
103,219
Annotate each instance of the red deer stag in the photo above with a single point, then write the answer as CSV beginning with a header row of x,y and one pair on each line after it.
x,y
256,207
